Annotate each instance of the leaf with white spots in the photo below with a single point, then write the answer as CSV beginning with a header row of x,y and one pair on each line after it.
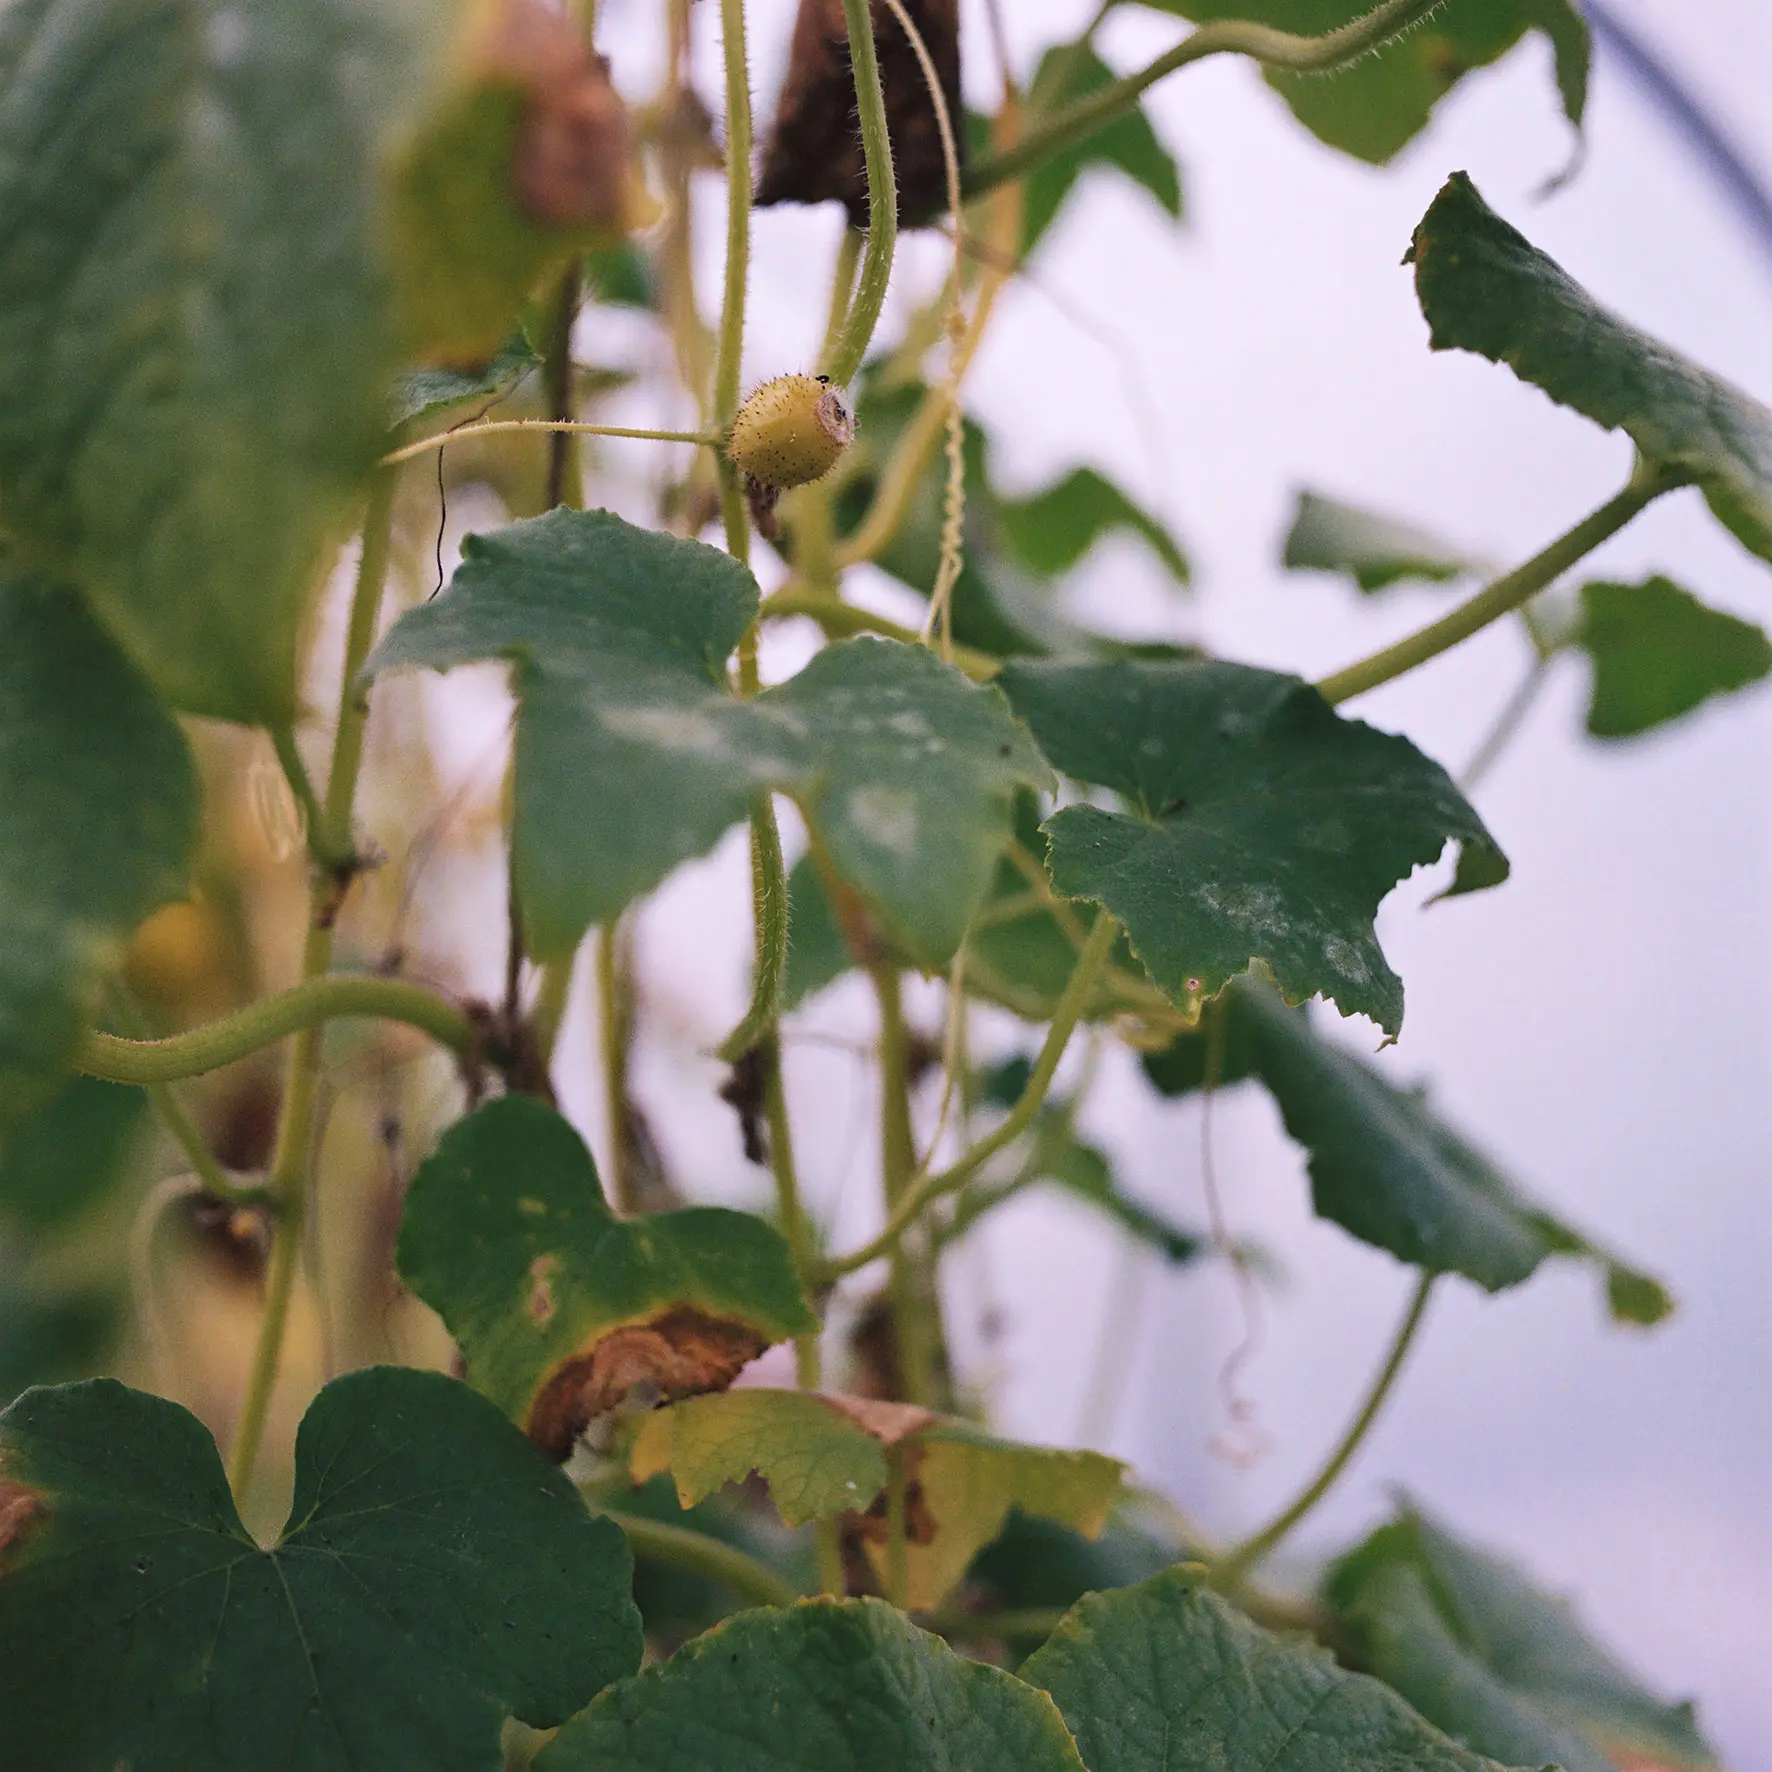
x,y
1259,825
633,754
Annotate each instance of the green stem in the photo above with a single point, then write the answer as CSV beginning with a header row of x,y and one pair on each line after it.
x,y
302,1007
287,1182
551,426
730,352
1065,1016
176,1120
564,482
769,894
911,1287
552,992
1505,594
898,1573
973,1627
797,1234
301,785
1262,43
1507,725
612,1038
842,290
695,1551
876,147
1238,1562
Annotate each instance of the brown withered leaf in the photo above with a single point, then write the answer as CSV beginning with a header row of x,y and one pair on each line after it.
x,y
814,151
679,1354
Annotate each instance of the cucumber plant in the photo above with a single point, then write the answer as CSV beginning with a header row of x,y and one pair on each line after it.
x,y
274,276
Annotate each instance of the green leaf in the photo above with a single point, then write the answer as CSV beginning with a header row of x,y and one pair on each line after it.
x,y
1051,531
840,1685
1262,826
962,1485
1129,143
1386,1168
816,1460
821,1455
435,1576
194,321
71,1153
562,1309
430,389
1485,288
1658,653
1166,1677
1375,107
634,755
1504,1667
98,822
1374,551
1039,1564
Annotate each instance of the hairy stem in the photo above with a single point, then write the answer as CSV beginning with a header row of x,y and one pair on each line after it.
x,y
332,843
1065,1017
490,427
1262,43
1505,594
747,1577
303,1007
730,351
1238,1562
851,348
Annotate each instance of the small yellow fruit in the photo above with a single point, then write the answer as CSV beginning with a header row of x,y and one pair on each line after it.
x,y
790,431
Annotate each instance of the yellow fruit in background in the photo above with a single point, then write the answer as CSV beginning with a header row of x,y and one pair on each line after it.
x,y
790,431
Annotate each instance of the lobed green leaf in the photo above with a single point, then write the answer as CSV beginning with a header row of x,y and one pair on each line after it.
x,y
1494,1661
840,1685
634,755
1261,826
435,1576
1166,1677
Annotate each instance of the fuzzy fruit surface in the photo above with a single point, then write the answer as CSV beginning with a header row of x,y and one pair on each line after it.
x,y
791,431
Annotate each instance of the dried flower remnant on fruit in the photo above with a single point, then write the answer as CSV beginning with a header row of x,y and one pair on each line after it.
x,y
814,151
791,431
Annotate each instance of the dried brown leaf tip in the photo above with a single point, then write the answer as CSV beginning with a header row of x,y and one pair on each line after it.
x,y
574,154
814,152
677,1354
